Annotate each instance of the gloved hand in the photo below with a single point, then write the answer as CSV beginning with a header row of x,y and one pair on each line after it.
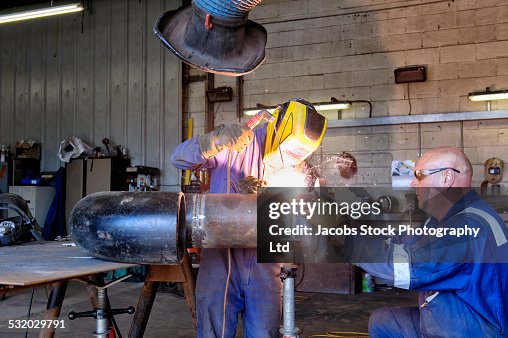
x,y
251,184
234,136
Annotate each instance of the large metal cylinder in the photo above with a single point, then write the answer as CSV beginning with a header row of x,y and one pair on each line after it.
x,y
131,227
221,220
155,227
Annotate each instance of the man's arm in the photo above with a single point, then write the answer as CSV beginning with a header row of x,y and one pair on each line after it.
x,y
188,155
396,265
428,264
198,150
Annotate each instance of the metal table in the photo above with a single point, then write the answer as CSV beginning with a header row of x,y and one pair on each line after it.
x,y
55,263
39,263
49,264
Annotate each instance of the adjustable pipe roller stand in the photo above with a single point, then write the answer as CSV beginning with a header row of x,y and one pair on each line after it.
x,y
102,313
287,277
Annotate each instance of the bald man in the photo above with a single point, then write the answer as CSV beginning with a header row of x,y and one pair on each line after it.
x,y
464,281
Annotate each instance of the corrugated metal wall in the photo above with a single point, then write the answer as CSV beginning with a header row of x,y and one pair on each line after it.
x,y
104,75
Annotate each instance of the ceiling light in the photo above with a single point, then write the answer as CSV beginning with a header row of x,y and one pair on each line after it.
x,y
43,12
488,95
334,105
254,111
325,108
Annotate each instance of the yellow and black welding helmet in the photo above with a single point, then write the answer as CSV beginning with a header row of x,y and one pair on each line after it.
x,y
295,133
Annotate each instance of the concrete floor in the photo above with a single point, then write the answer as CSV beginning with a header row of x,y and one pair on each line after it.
x,y
315,312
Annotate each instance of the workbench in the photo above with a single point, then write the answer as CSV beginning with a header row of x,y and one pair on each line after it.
x,y
53,264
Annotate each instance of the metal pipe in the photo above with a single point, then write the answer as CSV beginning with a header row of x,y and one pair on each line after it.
x,y
289,306
288,329
102,323
222,220
155,227
131,227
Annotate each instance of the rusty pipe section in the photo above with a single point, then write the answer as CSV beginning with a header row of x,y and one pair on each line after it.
x,y
221,220
155,227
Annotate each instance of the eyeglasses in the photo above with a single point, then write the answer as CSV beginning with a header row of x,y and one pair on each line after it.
x,y
421,174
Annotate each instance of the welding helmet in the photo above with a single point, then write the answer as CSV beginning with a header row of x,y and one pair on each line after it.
x,y
295,133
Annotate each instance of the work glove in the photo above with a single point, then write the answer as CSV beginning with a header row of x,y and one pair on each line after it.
x,y
251,184
234,136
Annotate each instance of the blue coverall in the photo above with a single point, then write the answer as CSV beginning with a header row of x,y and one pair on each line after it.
x,y
255,290
465,289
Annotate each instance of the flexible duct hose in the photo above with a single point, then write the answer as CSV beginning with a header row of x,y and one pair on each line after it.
x,y
227,8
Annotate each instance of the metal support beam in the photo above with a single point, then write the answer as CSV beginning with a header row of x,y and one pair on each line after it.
x,y
54,306
143,309
209,106
239,97
422,118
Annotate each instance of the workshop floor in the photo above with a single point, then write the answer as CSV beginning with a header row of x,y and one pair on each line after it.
x,y
315,312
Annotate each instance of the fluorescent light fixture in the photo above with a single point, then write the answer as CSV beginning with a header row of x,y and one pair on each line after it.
x,y
324,108
488,95
254,111
339,105
43,12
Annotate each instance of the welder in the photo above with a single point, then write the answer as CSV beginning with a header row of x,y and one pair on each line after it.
x,y
230,282
463,280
